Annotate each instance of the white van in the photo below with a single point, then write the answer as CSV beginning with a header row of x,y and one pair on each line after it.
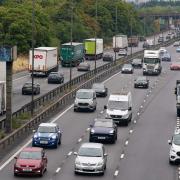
x,y
119,107
85,99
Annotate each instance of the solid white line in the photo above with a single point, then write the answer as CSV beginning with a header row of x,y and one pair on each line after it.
x,y
122,156
69,153
58,169
79,140
116,173
54,120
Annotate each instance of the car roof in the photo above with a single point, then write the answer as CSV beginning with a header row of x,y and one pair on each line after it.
x,y
99,84
103,119
92,145
137,59
127,65
85,90
48,125
141,77
32,149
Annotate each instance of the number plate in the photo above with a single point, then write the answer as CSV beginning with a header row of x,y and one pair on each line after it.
x,y
44,142
27,170
101,137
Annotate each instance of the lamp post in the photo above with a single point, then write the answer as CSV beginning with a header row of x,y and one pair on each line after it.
x,y
32,46
115,31
95,65
131,33
70,73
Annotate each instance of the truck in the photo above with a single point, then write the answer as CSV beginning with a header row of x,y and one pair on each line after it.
x,y
133,41
2,97
152,62
150,42
45,60
120,42
93,48
177,93
71,54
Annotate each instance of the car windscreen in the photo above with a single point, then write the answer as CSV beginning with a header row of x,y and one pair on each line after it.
x,y
176,139
28,85
30,155
151,60
137,61
118,105
90,152
127,66
46,129
141,79
84,95
103,124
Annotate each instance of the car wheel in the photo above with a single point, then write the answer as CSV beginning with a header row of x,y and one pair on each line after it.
x,y
76,173
126,123
178,112
90,140
114,140
59,142
102,173
75,110
41,173
171,162
135,86
15,174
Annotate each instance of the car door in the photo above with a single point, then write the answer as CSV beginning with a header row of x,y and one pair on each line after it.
x,y
104,156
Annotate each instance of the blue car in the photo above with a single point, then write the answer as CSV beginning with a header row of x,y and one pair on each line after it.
x,y
103,130
47,135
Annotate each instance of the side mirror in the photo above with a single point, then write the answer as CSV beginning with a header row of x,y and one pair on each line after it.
x,y
105,107
169,142
105,154
75,153
34,130
15,157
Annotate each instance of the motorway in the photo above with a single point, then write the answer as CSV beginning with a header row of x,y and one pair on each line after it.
x,y
141,151
19,79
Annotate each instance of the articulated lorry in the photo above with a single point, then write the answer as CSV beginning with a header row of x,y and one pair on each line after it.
x,y
71,54
45,60
93,48
120,42
177,93
133,41
151,62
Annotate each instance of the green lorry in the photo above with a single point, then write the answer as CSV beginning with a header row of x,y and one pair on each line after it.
x,y
71,54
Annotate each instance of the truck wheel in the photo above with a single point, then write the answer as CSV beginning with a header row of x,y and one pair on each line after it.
x,y
178,112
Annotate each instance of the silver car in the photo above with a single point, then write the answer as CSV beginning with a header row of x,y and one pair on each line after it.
x,y
91,159
83,66
85,100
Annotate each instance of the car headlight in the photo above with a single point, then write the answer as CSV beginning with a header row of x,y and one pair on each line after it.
x,y
90,102
173,150
126,116
111,132
108,116
77,162
75,102
54,137
35,136
92,131
100,163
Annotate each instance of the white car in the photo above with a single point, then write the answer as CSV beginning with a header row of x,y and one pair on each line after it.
x,y
90,159
122,52
174,154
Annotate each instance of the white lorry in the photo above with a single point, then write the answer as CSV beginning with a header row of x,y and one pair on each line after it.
x,y
119,107
2,88
45,60
120,43
152,62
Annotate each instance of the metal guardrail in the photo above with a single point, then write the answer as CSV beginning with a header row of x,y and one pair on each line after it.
x,y
67,98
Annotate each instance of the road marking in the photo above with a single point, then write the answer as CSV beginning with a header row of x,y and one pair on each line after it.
x,y
138,113
144,100
131,131
134,121
79,140
122,156
69,153
126,143
58,169
116,173
141,106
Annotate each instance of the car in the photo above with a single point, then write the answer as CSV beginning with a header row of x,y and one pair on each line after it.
x,y
127,68
85,100
178,49
122,52
108,57
174,153
162,50
55,78
168,37
146,45
175,66
27,88
141,82
137,63
30,161
100,89
83,66
103,130
142,38
160,39
177,43
91,158
166,57
47,135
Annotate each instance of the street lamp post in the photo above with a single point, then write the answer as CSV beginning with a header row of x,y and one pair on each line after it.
x,y
70,73
32,72
131,33
115,32
95,42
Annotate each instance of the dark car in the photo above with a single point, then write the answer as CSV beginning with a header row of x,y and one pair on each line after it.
x,y
100,89
103,130
146,45
30,161
166,57
142,38
127,68
83,66
55,78
141,82
47,135
160,39
137,63
27,88
168,37
108,57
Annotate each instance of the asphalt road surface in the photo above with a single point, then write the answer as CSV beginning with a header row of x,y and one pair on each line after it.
x,y
141,151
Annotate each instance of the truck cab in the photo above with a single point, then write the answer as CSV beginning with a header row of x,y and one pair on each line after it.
x,y
151,62
119,107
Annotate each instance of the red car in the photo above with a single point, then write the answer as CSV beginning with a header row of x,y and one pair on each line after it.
x,y
31,161
175,66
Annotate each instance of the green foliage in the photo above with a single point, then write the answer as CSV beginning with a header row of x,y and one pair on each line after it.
x,y
53,21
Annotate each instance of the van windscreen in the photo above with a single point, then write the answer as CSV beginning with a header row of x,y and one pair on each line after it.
x,y
118,105
84,95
